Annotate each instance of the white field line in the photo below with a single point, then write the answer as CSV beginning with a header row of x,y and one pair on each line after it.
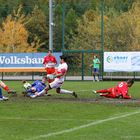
x,y
41,119
83,126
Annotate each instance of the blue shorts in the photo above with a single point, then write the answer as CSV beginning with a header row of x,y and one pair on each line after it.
x,y
95,70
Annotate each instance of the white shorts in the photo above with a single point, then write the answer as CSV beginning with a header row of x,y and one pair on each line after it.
x,y
56,83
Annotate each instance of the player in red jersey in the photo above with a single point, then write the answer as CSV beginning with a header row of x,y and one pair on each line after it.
x,y
49,64
6,88
121,90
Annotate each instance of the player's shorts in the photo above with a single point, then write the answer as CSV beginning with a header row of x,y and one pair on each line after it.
x,y
56,83
113,92
50,70
95,70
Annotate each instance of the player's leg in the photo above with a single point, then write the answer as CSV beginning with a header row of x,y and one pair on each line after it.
x,y
100,91
97,73
103,91
2,98
110,93
94,74
6,88
1,94
41,93
64,91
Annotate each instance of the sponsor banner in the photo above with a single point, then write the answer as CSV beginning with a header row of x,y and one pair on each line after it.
x,y
121,61
24,60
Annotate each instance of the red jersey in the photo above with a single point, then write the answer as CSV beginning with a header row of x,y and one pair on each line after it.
x,y
123,90
50,61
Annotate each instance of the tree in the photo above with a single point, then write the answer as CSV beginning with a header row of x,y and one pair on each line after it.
x,y
124,31
88,32
14,36
37,26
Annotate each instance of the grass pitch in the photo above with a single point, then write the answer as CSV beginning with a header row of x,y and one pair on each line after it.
x,y
62,117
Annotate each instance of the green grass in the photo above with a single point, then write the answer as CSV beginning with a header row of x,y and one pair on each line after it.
x,y
22,118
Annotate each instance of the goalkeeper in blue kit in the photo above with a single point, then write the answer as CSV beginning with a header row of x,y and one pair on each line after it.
x,y
35,87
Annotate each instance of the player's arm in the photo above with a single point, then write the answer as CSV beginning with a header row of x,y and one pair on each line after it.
x,y
63,73
98,61
44,62
55,61
34,84
125,95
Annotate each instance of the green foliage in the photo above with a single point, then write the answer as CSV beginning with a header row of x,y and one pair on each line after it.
x,y
37,27
82,23
123,32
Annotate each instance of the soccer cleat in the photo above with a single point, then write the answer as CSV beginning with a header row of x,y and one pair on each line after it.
x,y
74,94
3,98
11,92
94,91
48,94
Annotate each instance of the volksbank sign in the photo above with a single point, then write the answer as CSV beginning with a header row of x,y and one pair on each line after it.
x,y
17,60
24,60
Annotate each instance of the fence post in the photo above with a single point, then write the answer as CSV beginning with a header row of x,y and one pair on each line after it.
x,y
82,65
134,75
2,76
32,76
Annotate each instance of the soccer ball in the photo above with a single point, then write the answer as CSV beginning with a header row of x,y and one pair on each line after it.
x,y
27,85
50,76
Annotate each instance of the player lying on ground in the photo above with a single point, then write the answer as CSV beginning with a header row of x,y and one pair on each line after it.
x,y
36,87
119,91
58,81
6,88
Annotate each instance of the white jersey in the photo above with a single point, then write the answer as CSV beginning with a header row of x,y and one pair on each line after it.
x,y
62,69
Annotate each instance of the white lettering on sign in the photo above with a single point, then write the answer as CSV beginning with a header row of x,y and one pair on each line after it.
x,y
17,60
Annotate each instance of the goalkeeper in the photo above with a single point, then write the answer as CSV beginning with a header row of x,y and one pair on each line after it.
x,y
37,86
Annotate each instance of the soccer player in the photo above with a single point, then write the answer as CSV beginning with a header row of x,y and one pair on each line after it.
x,y
6,88
37,86
96,66
58,81
49,64
119,91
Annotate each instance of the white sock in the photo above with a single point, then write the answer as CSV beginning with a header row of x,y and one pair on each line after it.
x,y
41,92
63,91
